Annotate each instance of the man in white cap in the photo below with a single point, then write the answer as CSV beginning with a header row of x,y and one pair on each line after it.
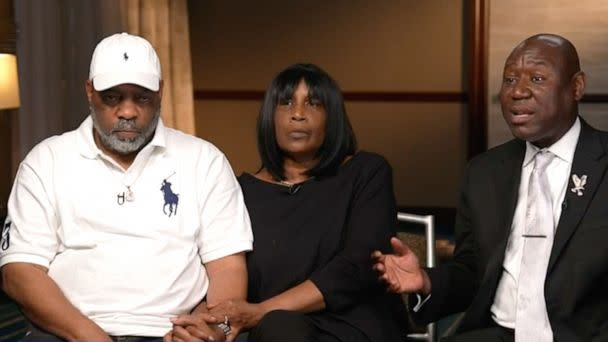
x,y
119,226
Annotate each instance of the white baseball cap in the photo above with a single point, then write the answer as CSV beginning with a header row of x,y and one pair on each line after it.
x,y
123,58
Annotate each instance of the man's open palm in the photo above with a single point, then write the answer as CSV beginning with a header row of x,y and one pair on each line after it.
x,y
401,270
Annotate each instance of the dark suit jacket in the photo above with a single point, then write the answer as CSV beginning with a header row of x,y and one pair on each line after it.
x,y
576,286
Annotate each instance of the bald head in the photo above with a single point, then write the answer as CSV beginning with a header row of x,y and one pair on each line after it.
x,y
542,84
561,48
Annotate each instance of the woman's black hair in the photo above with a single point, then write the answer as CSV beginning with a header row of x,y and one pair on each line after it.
x,y
339,140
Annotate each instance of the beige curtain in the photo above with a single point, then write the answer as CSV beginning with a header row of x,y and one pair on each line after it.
x,y
165,24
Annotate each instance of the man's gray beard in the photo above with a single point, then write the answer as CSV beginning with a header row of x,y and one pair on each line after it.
x,y
125,146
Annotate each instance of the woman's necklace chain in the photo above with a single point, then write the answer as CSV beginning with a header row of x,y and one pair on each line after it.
x,y
288,184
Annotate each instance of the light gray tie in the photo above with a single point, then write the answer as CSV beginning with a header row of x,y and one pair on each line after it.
x,y
531,321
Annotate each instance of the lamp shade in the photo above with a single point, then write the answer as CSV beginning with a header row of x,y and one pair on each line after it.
x,y
9,82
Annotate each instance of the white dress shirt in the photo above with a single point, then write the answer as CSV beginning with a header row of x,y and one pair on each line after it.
x,y
558,173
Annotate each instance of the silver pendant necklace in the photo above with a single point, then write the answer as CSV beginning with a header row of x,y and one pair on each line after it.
x,y
129,195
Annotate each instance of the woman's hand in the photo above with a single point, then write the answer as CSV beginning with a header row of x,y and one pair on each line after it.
x,y
195,327
241,314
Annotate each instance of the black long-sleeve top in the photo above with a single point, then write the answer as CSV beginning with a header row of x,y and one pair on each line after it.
x,y
325,230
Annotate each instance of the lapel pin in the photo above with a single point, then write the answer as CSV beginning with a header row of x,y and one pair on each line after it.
x,y
579,184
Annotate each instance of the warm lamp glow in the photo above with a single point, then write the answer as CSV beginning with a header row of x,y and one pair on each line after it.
x,y
9,82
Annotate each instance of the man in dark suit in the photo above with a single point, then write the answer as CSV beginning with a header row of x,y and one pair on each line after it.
x,y
514,280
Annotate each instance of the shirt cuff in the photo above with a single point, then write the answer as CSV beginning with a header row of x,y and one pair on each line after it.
x,y
420,302
233,248
24,257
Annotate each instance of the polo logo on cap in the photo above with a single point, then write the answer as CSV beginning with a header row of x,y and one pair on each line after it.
x,y
125,56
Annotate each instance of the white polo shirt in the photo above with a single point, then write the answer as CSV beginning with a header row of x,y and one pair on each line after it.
x,y
127,265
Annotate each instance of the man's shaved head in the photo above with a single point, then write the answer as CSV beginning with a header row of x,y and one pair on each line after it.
x,y
542,84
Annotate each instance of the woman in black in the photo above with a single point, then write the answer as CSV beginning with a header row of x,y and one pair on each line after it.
x,y
318,209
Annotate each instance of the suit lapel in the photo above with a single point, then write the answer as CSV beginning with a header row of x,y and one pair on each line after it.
x,y
589,161
506,178
507,187
504,182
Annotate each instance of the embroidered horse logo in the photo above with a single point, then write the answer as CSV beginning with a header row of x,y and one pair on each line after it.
x,y
171,198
